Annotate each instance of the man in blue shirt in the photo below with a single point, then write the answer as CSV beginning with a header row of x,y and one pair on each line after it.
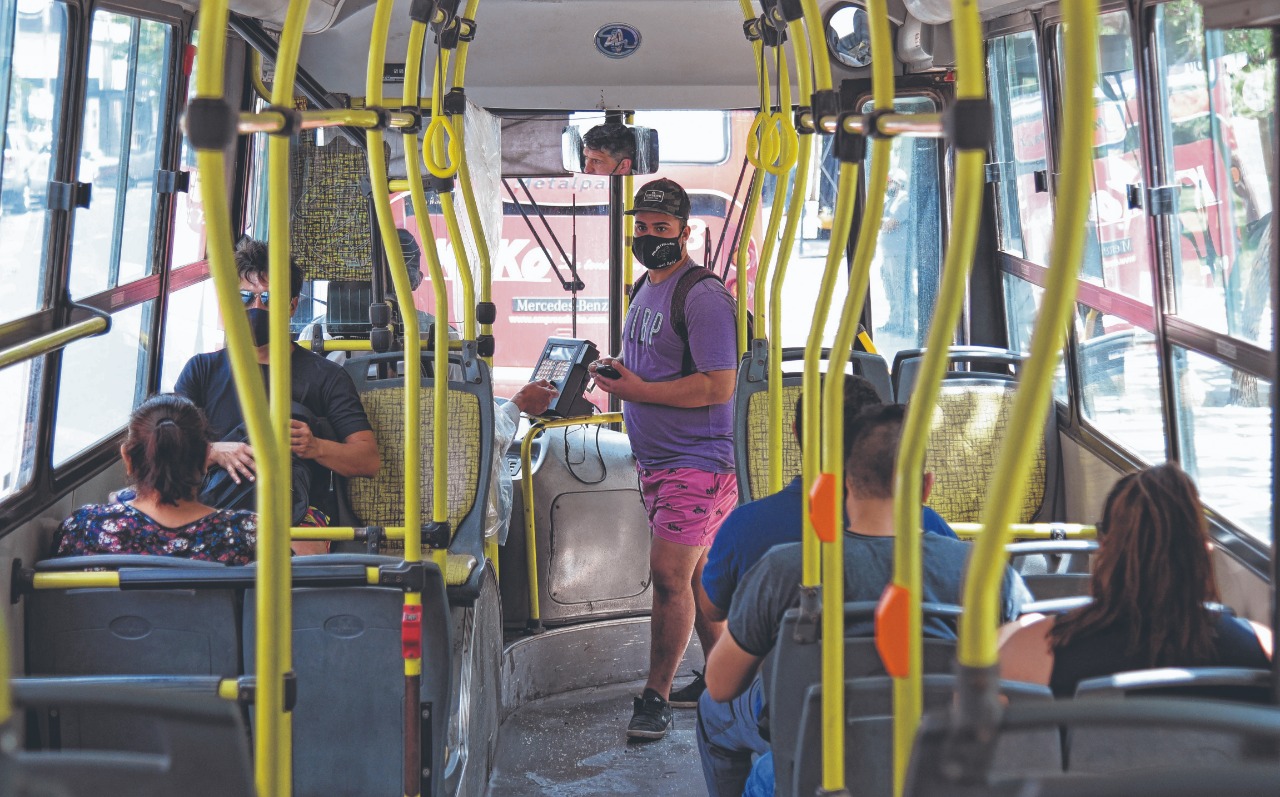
x,y
727,733
752,529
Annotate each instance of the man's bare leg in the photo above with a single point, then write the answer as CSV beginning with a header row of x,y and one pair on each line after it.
x,y
673,566
708,630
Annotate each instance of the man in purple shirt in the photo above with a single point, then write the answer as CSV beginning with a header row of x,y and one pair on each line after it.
x,y
676,374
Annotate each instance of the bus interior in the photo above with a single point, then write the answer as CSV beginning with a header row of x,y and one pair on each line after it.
x,y
856,171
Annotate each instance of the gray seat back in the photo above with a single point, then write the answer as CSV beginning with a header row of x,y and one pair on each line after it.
x,y
1051,586
868,742
796,665
197,745
114,632
348,723
1117,750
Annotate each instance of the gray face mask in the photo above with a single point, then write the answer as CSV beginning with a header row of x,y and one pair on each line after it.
x,y
656,253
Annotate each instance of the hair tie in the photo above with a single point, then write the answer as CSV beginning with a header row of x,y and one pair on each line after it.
x,y
164,421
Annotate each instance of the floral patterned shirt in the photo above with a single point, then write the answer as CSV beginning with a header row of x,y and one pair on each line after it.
x,y
225,535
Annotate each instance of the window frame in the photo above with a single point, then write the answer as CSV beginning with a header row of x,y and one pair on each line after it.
x,y
1170,330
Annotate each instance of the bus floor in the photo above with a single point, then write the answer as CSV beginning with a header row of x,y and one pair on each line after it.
x,y
575,745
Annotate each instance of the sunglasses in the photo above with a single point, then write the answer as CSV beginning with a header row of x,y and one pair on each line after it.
x,y
247,297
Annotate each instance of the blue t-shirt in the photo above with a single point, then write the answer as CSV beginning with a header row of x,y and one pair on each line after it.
x,y
680,437
752,529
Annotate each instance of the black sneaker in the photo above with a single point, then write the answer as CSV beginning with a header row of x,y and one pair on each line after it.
x,y
651,717
687,695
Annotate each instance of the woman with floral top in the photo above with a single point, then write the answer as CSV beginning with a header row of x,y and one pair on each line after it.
x,y
164,456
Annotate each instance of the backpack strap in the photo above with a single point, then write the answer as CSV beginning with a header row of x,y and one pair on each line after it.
x,y
690,278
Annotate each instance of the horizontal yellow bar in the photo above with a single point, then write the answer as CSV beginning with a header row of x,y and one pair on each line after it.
x,y
274,121
76,580
52,341
364,345
586,420
338,533
322,533
1032,531
918,125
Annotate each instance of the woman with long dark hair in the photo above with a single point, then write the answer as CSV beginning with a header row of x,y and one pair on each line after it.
x,y
1152,577
164,455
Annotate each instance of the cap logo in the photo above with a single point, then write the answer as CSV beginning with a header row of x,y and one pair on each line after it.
x,y
654,196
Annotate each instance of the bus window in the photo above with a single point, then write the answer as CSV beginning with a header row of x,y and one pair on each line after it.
x,y
18,384
30,85
908,259
1224,434
188,214
125,108
102,380
1022,305
1024,215
1116,254
1218,119
193,325
1120,381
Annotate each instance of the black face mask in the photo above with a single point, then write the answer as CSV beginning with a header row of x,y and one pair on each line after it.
x,y
656,253
259,325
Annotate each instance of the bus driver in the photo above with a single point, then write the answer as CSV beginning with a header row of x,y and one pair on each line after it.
x,y
609,149
676,375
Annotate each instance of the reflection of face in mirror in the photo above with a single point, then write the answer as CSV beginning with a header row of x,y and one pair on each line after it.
x,y
849,37
608,149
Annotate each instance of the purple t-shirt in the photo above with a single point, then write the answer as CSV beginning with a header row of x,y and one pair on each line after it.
x,y
674,437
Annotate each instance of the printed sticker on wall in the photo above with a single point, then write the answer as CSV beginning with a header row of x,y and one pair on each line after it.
x,y
617,40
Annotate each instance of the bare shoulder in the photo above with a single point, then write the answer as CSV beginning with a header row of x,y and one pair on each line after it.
x,y
1025,652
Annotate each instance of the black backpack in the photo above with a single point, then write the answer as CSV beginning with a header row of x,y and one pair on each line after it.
x,y
688,279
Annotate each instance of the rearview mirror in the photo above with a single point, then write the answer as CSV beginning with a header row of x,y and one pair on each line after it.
x,y
610,149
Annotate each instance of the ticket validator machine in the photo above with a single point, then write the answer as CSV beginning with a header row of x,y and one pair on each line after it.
x,y
564,363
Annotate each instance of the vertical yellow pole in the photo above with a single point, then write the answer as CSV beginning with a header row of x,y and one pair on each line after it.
x,y
272,762
810,394
908,569
275,604
977,646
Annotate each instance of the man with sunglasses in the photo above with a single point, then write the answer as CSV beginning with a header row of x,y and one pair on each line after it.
x,y
320,385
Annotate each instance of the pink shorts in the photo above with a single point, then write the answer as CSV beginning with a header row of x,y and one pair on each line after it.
x,y
686,506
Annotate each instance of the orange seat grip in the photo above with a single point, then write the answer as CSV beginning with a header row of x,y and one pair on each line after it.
x,y
822,507
891,630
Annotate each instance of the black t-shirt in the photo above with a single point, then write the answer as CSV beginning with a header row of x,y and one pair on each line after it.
x,y
1106,652
318,384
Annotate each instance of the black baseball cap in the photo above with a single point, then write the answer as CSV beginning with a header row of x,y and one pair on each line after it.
x,y
661,196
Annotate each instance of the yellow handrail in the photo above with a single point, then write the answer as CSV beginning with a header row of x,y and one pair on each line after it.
x,y
833,411
786,162
777,423
755,156
53,341
526,491
1032,531
977,644
473,211
272,756
847,182
275,607
908,569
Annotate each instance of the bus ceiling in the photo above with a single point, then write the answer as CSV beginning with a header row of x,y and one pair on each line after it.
x,y
588,54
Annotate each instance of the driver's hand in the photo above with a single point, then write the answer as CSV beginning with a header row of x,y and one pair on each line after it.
x,y
235,458
535,397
